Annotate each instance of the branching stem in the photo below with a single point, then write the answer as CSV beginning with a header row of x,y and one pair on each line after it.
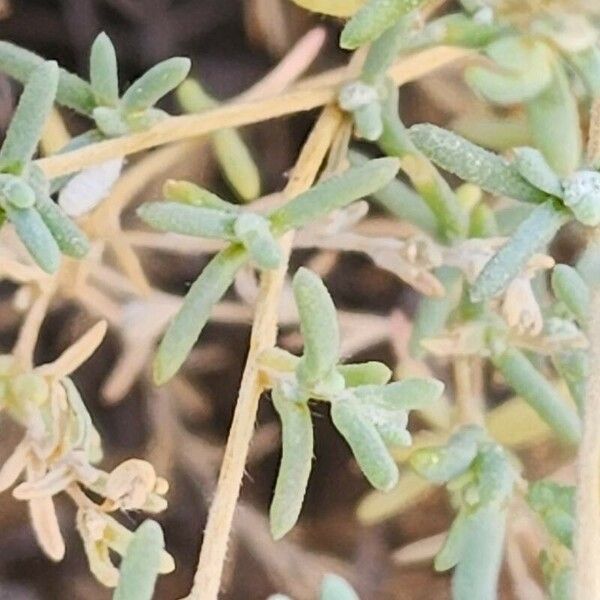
x,y
212,556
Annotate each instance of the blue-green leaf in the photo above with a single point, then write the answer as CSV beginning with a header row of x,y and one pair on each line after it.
x,y
367,445
104,76
295,465
73,92
28,121
319,327
333,193
141,563
155,83
188,323
539,393
372,19
188,220
35,236
538,230
471,163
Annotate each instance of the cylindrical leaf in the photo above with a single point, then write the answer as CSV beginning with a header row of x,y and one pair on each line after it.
x,y
476,575
367,445
333,193
237,163
319,327
532,165
442,463
233,155
532,235
368,373
35,237
471,163
73,92
155,83
188,220
524,69
400,200
373,19
193,315
554,122
535,389
70,239
336,588
570,288
412,393
254,232
28,121
295,465
104,76
141,564
190,193
395,141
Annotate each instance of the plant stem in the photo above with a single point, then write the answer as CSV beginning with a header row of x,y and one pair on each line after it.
x,y
469,400
264,331
307,95
587,528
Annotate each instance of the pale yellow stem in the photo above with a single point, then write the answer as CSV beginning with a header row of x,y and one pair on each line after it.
x,y
305,96
264,331
587,529
469,402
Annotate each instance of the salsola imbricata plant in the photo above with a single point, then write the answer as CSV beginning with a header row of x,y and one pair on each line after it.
x,y
475,245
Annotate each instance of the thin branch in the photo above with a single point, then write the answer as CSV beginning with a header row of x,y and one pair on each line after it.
x,y
307,95
587,529
264,331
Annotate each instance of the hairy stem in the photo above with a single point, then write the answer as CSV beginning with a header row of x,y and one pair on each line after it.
x,y
264,331
469,401
587,528
307,95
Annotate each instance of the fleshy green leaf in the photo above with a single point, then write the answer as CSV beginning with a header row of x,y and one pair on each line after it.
x,y
476,574
532,165
190,193
555,505
368,373
35,236
400,200
70,239
141,564
412,393
296,463
396,141
442,463
535,389
524,69
532,235
104,75
471,163
319,327
73,92
373,19
570,288
188,323
333,193
155,83
30,116
554,122
367,445
254,232
336,588
188,220
231,151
